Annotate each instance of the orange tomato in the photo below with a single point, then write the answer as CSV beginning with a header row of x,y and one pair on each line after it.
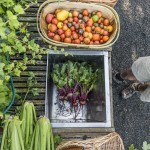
x,y
67,40
85,12
85,34
96,42
97,29
88,29
105,38
65,28
53,28
96,37
67,33
81,38
56,37
77,41
86,40
106,22
109,28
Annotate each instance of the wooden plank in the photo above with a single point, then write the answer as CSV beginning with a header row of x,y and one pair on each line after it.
x,y
24,90
36,102
41,96
22,79
22,85
37,73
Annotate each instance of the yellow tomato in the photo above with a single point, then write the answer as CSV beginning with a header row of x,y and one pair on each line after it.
x,y
60,25
49,25
90,36
110,28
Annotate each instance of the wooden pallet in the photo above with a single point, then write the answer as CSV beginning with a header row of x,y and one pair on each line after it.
x,y
40,71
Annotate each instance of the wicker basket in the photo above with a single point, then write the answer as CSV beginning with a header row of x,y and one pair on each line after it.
x,y
50,6
111,141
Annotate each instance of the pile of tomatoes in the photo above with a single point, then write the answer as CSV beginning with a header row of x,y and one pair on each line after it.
x,y
80,27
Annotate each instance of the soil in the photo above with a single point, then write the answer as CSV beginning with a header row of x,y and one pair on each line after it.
x,y
131,116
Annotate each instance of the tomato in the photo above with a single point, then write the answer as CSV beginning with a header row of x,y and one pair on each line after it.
x,y
105,33
106,22
62,36
67,40
105,27
65,28
65,21
105,38
96,42
85,12
60,31
72,28
49,18
109,28
82,25
90,36
77,41
81,38
90,22
101,19
101,41
50,34
86,40
67,33
60,25
49,25
70,14
53,28
102,31
91,42
99,14
97,29
96,37
75,13
56,38
85,34
54,21
75,36
70,19
88,29
75,19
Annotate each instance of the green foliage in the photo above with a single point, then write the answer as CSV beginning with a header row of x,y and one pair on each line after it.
x,y
145,146
57,140
74,72
12,45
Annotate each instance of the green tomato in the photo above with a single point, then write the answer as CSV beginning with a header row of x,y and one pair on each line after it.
x,y
95,18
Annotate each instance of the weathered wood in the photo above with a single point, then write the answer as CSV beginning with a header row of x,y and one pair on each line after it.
x,y
37,73
22,79
22,85
24,90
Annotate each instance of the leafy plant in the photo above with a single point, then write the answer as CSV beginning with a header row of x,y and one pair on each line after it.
x,y
146,146
74,81
14,45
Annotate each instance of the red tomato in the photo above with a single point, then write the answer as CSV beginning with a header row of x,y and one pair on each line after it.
x,y
60,31
54,21
105,33
75,36
75,19
49,18
77,41
105,38
50,34
67,33
62,36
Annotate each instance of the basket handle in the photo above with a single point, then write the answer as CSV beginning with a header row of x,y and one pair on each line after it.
x,y
111,3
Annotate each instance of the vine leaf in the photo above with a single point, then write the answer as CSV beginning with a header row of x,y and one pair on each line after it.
x,y
18,9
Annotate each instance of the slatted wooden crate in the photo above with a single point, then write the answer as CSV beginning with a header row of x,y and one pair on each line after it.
x,y
40,71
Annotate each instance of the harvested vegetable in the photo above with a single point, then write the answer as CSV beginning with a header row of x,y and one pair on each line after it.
x,y
28,118
42,137
74,81
12,135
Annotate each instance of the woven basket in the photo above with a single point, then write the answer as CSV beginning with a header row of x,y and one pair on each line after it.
x,y
50,6
111,141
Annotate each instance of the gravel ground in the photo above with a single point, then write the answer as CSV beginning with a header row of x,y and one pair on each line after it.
x,y
132,116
